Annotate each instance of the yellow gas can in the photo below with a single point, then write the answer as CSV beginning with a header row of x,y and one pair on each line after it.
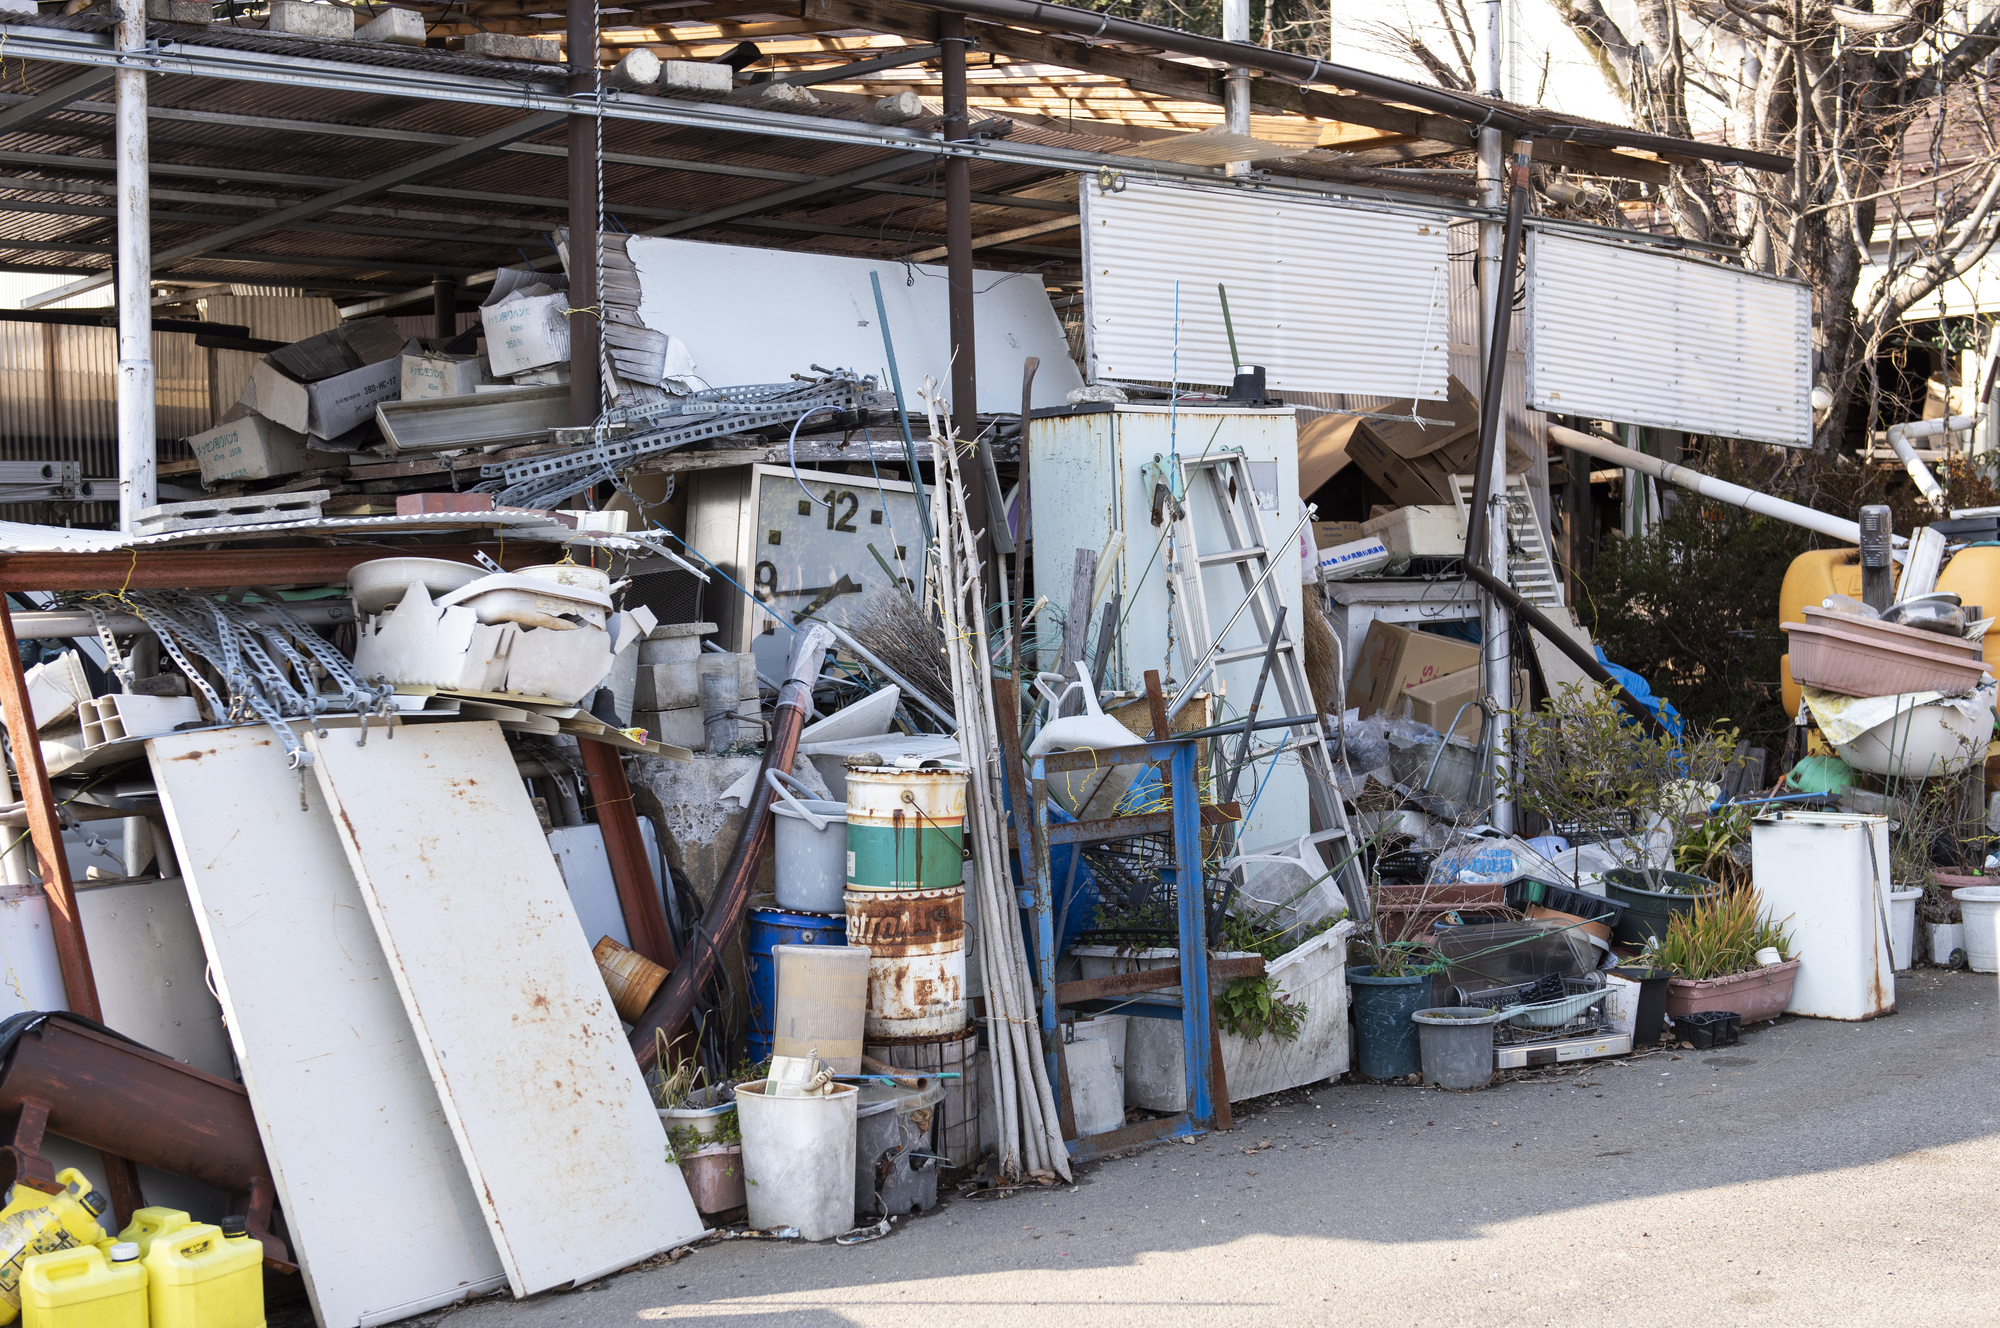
x,y
81,1288
200,1277
149,1224
37,1223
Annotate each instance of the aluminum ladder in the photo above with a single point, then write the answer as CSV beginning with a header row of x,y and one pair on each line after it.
x,y
1530,569
1220,483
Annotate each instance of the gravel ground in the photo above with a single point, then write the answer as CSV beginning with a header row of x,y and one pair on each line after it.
x,y
1817,1173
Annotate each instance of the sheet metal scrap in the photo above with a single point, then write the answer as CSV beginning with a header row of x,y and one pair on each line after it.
x,y
623,435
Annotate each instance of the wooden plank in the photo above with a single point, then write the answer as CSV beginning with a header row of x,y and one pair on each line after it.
x,y
516,1027
326,1050
1153,979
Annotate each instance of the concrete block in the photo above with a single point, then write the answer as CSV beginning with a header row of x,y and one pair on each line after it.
x,y
639,71
400,27
679,78
667,686
508,46
160,11
774,96
898,108
302,19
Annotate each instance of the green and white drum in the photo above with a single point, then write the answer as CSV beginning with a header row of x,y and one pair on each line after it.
x,y
905,827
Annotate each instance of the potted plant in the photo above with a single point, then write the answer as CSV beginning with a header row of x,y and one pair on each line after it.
x,y
1711,950
703,1136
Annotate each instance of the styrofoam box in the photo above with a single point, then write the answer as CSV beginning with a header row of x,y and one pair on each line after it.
x,y
1367,554
1419,532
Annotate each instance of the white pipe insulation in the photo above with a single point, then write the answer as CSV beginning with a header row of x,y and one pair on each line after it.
x,y
1899,442
1709,487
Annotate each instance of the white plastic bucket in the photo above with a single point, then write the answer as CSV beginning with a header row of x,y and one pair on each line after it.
x,y
1980,905
798,1160
812,849
1903,928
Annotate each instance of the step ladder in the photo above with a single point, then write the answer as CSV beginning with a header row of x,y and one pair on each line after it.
x,y
1219,484
1530,569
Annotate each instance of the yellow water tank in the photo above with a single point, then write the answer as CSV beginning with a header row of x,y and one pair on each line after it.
x,y
200,1277
81,1288
38,1223
1972,574
149,1224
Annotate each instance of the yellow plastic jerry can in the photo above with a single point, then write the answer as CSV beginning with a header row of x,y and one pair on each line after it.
x,y
37,1223
81,1288
198,1277
149,1224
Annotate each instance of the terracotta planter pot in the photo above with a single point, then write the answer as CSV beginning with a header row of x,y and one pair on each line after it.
x,y
1950,881
1762,993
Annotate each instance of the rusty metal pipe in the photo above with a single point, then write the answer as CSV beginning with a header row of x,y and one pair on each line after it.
x,y
672,1006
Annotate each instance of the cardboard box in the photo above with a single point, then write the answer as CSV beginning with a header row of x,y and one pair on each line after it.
x,y
252,448
1438,701
346,402
1331,534
428,376
1395,659
526,334
278,397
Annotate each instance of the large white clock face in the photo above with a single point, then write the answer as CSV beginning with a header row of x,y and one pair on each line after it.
x,y
810,554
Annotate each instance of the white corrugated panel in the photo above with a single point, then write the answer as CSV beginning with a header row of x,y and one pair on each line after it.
x,y
1327,297
1641,337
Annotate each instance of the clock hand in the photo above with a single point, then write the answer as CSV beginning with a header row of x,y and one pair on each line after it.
x,y
845,586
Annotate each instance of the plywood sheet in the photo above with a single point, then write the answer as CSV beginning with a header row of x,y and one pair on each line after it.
x,y
531,1066
381,1213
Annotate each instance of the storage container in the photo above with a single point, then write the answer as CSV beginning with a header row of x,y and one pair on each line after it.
x,y
915,940
811,834
767,929
1456,1045
37,1223
149,1224
822,993
83,1288
1420,532
198,1277
1386,1042
1829,872
798,1159
905,828
1979,905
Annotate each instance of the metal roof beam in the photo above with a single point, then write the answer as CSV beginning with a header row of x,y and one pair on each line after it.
x,y
283,260
312,207
31,110
798,193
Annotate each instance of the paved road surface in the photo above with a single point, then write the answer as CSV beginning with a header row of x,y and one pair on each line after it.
x,y
1819,1173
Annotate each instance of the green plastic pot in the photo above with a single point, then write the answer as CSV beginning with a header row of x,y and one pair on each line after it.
x,y
1646,909
1386,1044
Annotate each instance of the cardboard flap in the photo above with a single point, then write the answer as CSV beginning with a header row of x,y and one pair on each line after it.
x,y
1323,443
1454,417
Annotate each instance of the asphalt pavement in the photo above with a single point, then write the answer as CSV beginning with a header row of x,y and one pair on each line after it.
x,y
1817,1173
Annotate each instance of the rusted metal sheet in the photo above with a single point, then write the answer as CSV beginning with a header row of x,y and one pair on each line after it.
x,y
1154,979
516,1029
916,972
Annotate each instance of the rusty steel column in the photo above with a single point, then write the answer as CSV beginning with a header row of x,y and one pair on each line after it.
x,y
585,186
625,848
958,250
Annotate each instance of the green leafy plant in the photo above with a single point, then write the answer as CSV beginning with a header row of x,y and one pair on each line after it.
x,y
1720,936
1709,849
1252,1007
684,1141
1265,933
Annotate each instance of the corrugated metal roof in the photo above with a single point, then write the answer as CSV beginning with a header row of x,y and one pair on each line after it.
x,y
1617,333
1326,297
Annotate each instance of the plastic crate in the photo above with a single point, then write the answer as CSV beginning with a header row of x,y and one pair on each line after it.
x,y
1708,1029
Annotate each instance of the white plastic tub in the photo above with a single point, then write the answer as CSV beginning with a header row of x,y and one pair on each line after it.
x,y
1419,532
1096,1087
798,1160
1980,907
1903,927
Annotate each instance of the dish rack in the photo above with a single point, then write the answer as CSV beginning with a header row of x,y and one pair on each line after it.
x,y
1552,1007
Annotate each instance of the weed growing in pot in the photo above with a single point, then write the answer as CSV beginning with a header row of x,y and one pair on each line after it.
x,y
1721,936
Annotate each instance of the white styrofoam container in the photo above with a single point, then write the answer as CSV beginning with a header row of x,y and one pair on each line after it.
x,y
1368,554
1829,872
1316,974
1419,532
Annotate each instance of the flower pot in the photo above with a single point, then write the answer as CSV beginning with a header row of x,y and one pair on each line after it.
x,y
706,1119
1903,928
1647,909
1649,1009
1980,905
1761,993
1386,1043
715,1178
1457,1045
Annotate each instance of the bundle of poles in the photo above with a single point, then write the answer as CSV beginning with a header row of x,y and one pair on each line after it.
x,y
1030,1133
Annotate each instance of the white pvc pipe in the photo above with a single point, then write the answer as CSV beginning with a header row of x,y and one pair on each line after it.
x,y
1709,487
138,485
1899,442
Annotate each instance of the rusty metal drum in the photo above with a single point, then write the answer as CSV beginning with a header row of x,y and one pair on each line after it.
x,y
916,969
905,827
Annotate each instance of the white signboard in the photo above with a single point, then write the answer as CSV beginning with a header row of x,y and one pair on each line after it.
x,y
1638,336
1327,297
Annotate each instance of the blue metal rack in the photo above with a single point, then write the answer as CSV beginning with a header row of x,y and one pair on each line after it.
x,y
1035,836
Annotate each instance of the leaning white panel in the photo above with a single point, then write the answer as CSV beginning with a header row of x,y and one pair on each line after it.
x,y
344,1104
1328,297
1638,336
531,1065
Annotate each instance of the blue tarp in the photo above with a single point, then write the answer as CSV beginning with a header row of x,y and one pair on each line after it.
x,y
1663,709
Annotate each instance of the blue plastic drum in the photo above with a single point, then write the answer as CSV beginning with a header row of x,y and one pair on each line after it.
x,y
770,927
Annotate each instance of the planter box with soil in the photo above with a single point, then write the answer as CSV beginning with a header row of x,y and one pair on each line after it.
x,y
1761,993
